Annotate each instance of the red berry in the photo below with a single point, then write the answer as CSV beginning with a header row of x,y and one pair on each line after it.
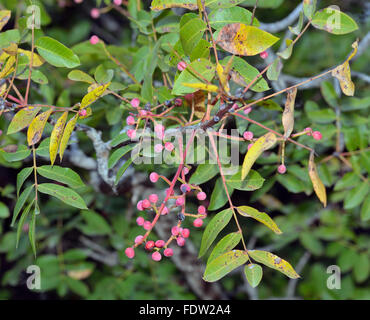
x,y
94,39
180,241
185,233
180,201
160,243
156,256
117,2
264,54
178,102
317,135
147,225
138,239
201,209
95,13
201,196
135,102
248,135
153,198
168,252
198,222
185,188
181,66
175,230
140,221
82,113
146,204
139,205
130,252
154,177
149,245
130,120
282,169
185,170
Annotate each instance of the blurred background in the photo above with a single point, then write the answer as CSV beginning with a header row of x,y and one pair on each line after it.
x,y
81,254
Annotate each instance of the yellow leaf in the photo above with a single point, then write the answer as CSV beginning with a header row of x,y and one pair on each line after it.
x,y
223,77
12,49
240,39
288,114
37,126
201,86
3,89
66,135
343,73
8,68
93,95
3,57
4,17
273,261
37,60
56,136
22,119
318,186
259,216
262,144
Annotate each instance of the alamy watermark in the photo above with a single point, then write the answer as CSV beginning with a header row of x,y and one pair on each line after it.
x,y
334,280
34,280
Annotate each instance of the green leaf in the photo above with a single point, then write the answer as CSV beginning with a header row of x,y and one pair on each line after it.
x,y
298,28
21,221
32,232
274,70
96,224
221,17
22,119
311,243
202,67
201,50
219,197
361,269
56,53
122,137
4,211
78,75
334,21
309,8
191,33
118,154
329,94
22,153
259,216
365,210
64,194
253,181
204,173
272,4
9,37
123,169
77,286
243,74
226,244
103,75
22,177
214,227
62,175
224,264
355,196
20,203
273,261
253,272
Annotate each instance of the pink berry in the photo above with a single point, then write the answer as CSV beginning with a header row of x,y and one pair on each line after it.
x,y
317,135
198,222
82,113
147,225
180,201
156,256
131,133
178,102
160,243
201,196
143,113
248,135
181,66
282,169
138,239
94,39
169,146
158,148
153,198
185,233
185,170
175,230
250,145
130,252
201,209
130,120
248,110
309,131
154,177
149,245
146,204
264,54
180,241
117,2
135,102
139,205
78,1
95,13
164,211
168,252
185,188
140,221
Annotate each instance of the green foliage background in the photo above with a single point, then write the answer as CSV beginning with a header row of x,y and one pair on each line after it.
x,y
338,235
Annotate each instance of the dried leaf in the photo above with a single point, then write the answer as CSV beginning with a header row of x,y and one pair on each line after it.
x,y
22,119
288,114
240,39
66,135
56,136
318,186
262,144
37,126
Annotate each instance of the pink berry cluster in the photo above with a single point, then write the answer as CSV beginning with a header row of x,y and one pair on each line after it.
x,y
151,206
